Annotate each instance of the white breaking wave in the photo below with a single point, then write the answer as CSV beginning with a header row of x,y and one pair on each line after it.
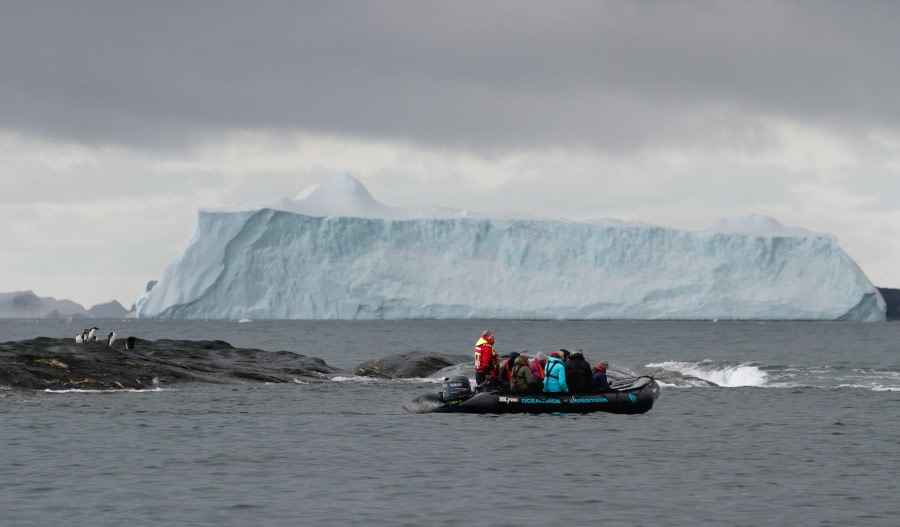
x,y
354,379
728,376
362,379
129,390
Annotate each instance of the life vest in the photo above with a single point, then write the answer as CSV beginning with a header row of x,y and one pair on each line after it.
x,y
551,367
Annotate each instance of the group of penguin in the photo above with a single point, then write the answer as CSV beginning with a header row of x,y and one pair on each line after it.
x,y
90,335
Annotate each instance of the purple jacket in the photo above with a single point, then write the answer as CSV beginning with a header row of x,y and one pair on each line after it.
x,y
537,371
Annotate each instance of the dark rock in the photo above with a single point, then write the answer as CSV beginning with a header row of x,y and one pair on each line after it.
x,y
680,379
413,364
892,299
60,364
111,309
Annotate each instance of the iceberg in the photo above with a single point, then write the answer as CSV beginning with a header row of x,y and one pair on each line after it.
x,y
334,252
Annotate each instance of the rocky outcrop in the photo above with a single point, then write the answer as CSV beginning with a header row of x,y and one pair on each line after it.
x,y
409,365
677,378
892,300
61,364
111,309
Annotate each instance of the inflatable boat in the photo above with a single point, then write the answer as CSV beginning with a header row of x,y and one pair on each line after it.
x,y
627,396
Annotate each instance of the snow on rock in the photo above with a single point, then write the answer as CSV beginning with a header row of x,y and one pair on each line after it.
x,y
334,252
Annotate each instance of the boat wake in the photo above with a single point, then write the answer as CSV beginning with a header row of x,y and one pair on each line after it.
x,y
423,405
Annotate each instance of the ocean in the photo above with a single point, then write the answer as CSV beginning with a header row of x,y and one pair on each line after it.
x,y
803,430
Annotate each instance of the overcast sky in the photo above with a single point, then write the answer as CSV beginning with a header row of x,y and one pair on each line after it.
x,y
118,120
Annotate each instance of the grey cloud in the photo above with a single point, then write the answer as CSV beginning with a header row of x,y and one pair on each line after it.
x,y
483,76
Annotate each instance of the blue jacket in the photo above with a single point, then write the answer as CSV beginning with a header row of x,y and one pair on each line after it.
x,y
600,382
555,376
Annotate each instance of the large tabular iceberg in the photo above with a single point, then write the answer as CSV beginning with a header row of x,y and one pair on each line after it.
x,y
334,252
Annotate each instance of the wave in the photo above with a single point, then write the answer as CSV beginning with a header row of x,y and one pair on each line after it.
x,y
711,372
362,379
127,390
716,373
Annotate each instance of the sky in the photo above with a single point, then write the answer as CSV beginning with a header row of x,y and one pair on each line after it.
x,y
120,119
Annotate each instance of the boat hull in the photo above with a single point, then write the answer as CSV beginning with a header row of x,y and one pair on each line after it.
x,y
635,396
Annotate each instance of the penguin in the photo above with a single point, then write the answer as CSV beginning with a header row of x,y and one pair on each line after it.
x,y
110,339
129,343
84,334
92,334
79,338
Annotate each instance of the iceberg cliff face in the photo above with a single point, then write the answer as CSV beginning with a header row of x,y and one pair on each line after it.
x,y
288,260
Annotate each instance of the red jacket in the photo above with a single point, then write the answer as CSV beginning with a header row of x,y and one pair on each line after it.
x,y
485,358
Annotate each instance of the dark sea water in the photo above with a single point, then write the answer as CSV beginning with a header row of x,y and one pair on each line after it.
x,y
805,430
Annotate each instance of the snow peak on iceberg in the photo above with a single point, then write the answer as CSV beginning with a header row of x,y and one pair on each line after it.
x,y
334,252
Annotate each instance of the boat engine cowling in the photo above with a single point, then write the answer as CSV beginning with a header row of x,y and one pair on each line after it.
x,y
457,388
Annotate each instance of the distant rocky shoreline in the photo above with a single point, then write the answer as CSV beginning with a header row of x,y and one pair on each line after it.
x,y
26,305
61,364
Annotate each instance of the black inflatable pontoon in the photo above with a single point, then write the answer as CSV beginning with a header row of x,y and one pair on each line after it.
x,y
627,396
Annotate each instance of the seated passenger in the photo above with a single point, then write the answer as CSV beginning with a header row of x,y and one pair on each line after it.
x,y
521,378
578,373
601,384
506,368
555,374
537,366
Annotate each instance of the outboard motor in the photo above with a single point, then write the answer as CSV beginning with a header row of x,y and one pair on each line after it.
x,y
457,389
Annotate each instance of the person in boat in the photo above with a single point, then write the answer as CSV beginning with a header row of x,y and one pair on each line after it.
x,y
555,374
537,366
486,360
505,374
521,379
578,373
600,382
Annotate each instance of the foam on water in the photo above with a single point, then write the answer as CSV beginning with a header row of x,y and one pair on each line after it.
x,y
774,376
422,405
128,390
354,379
723,375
